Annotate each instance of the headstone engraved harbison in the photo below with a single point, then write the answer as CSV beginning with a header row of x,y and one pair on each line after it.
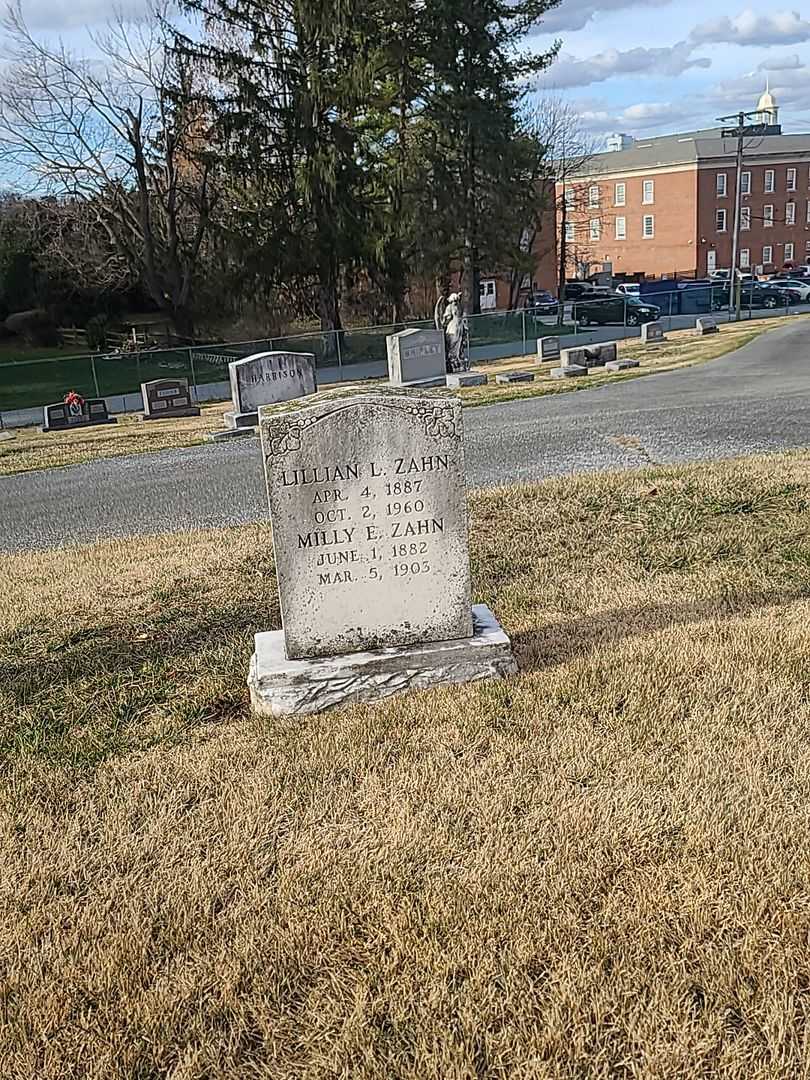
x,y
369,511
165,398
267,378
416,357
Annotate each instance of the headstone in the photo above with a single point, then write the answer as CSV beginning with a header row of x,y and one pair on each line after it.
x,y
62,417
621,365
652,333
264,379
507,377
573,358
165,398
548,348
465,378
570,371
416,358
707,325
603,354
368,506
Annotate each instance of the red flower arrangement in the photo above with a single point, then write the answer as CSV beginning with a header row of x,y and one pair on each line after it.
x,y
73,398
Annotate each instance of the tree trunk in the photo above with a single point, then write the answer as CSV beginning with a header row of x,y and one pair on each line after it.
x,y
183,322
563,262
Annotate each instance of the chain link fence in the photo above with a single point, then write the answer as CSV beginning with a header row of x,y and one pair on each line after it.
x,y
28,384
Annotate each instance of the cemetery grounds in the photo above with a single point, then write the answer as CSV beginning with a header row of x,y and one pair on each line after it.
x,y
29,449
596,868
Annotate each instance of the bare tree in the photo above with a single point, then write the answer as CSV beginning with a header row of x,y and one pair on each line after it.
x,y
569,151
117,140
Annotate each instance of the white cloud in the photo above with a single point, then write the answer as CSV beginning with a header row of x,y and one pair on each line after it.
x,y
752,28
568,71
781,63
574,14
641,117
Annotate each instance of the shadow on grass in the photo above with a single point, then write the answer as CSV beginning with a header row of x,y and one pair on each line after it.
x,y
573,639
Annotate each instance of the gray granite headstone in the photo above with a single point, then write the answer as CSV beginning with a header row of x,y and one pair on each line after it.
x,y
267,378
707,325
548,348
368,504
165,398
62,417
652,333
369,509
416,358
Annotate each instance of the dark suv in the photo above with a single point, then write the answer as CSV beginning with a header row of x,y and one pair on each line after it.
x,y
627,310
541,302
758,294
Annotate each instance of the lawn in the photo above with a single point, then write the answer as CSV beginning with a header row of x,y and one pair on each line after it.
x,y
29,449
599,868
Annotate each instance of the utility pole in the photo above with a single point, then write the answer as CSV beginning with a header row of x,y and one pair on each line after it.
x,y
740,131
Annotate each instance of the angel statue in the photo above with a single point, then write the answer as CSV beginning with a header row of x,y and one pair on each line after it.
x,y
449,317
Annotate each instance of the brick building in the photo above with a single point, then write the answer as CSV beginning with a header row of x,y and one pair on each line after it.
x,y
665,206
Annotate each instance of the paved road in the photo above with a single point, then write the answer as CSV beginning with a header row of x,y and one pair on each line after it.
x,y
755,400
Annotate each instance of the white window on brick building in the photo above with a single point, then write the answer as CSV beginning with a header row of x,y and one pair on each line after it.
x,y
770,181
596,229
745,259
790,213
767,256
720,220
621,228
620,195
745,183
648,192
593,195
789,252
745,218
569,197
808,211
648,227
722,185
791,180
570,232
767,217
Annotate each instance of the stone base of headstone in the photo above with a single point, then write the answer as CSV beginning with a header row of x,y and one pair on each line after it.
x,y
79,424
175,414
570,371
621,365
231,433
235,420
282,687
506,377
465,378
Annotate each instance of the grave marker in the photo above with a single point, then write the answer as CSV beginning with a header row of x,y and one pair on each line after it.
x,y
707,325
548,348
416,358
63,417
368,503
166,398
652,333
266,378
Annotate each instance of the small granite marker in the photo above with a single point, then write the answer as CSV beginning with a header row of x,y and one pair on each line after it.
x,y
63,417
548,348
368,505
416,358
506,377
652,333
166,398
707,325
264,379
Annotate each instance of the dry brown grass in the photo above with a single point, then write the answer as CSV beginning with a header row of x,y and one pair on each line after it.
x,y
598,868
29,449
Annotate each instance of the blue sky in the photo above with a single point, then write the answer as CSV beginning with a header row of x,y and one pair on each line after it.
x,y
655,66
639,66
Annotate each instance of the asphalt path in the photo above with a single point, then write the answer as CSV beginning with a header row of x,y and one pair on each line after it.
x,y
752,401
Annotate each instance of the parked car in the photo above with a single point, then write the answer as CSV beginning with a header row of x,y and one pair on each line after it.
x,y
616,309
629,288
800,286
541,302
759,294
584,290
